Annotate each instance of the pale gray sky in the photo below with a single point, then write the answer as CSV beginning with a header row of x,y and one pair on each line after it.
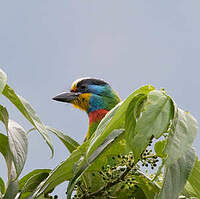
x,y
45,45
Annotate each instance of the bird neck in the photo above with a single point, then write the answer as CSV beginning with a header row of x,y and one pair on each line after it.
x,y
95,118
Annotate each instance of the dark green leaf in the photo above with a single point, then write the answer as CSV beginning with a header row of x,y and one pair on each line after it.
x,y
2,186
11,191
27,177
110,138
4,116
176,175
155,120
18,143
25,108
181,137
67,141
5,150
3,80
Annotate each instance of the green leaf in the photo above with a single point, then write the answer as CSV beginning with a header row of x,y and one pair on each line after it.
x,y
194,179
181,137
132,114
159,148
27,178
5,150
18,143
70,144
155,120
25,108
176,175
115,122
62,172
2,186
11,191
3,80
115,133
4,116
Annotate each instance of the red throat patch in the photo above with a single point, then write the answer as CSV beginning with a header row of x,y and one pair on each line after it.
x,y
97,115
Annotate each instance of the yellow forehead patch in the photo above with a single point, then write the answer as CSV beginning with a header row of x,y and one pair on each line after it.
x,y
82,102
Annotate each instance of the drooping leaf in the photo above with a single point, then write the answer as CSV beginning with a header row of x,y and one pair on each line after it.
x,y
181,137
70,144
176,175
25,108
2,186
4,116
3,80
5,150
114,134
155,120
11,191
29,176
116,121
18,143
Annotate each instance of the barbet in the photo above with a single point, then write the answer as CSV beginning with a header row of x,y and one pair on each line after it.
x,y
94,96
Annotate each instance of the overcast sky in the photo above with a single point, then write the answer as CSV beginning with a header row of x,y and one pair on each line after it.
x,y
46,44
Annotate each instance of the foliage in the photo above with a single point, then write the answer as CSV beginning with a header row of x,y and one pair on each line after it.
x,y
142,149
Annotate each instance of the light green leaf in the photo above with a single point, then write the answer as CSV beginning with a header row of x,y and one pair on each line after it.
x,y
4,116
159,148
70,144
5,150
2,186
176,175
84,165
155,120
3,80
115,122
181,137
194,179
25,108
18,143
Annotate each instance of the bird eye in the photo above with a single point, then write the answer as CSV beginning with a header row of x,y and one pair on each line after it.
x,y
83,87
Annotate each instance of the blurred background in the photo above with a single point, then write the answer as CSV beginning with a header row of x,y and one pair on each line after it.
x,y
46,45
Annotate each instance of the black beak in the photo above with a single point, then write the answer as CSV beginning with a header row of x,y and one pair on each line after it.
x,y
66,97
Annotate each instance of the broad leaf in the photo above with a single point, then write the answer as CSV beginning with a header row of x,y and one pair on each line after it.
x,y
5,150
92,158
25,108
116,121
176,175
70,144
181,137
155,120
18,143
3,80
159,148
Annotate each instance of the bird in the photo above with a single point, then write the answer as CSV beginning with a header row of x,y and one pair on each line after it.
x,y
94,96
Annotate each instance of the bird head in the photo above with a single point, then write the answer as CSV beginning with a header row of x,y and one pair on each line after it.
x,y
94,96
